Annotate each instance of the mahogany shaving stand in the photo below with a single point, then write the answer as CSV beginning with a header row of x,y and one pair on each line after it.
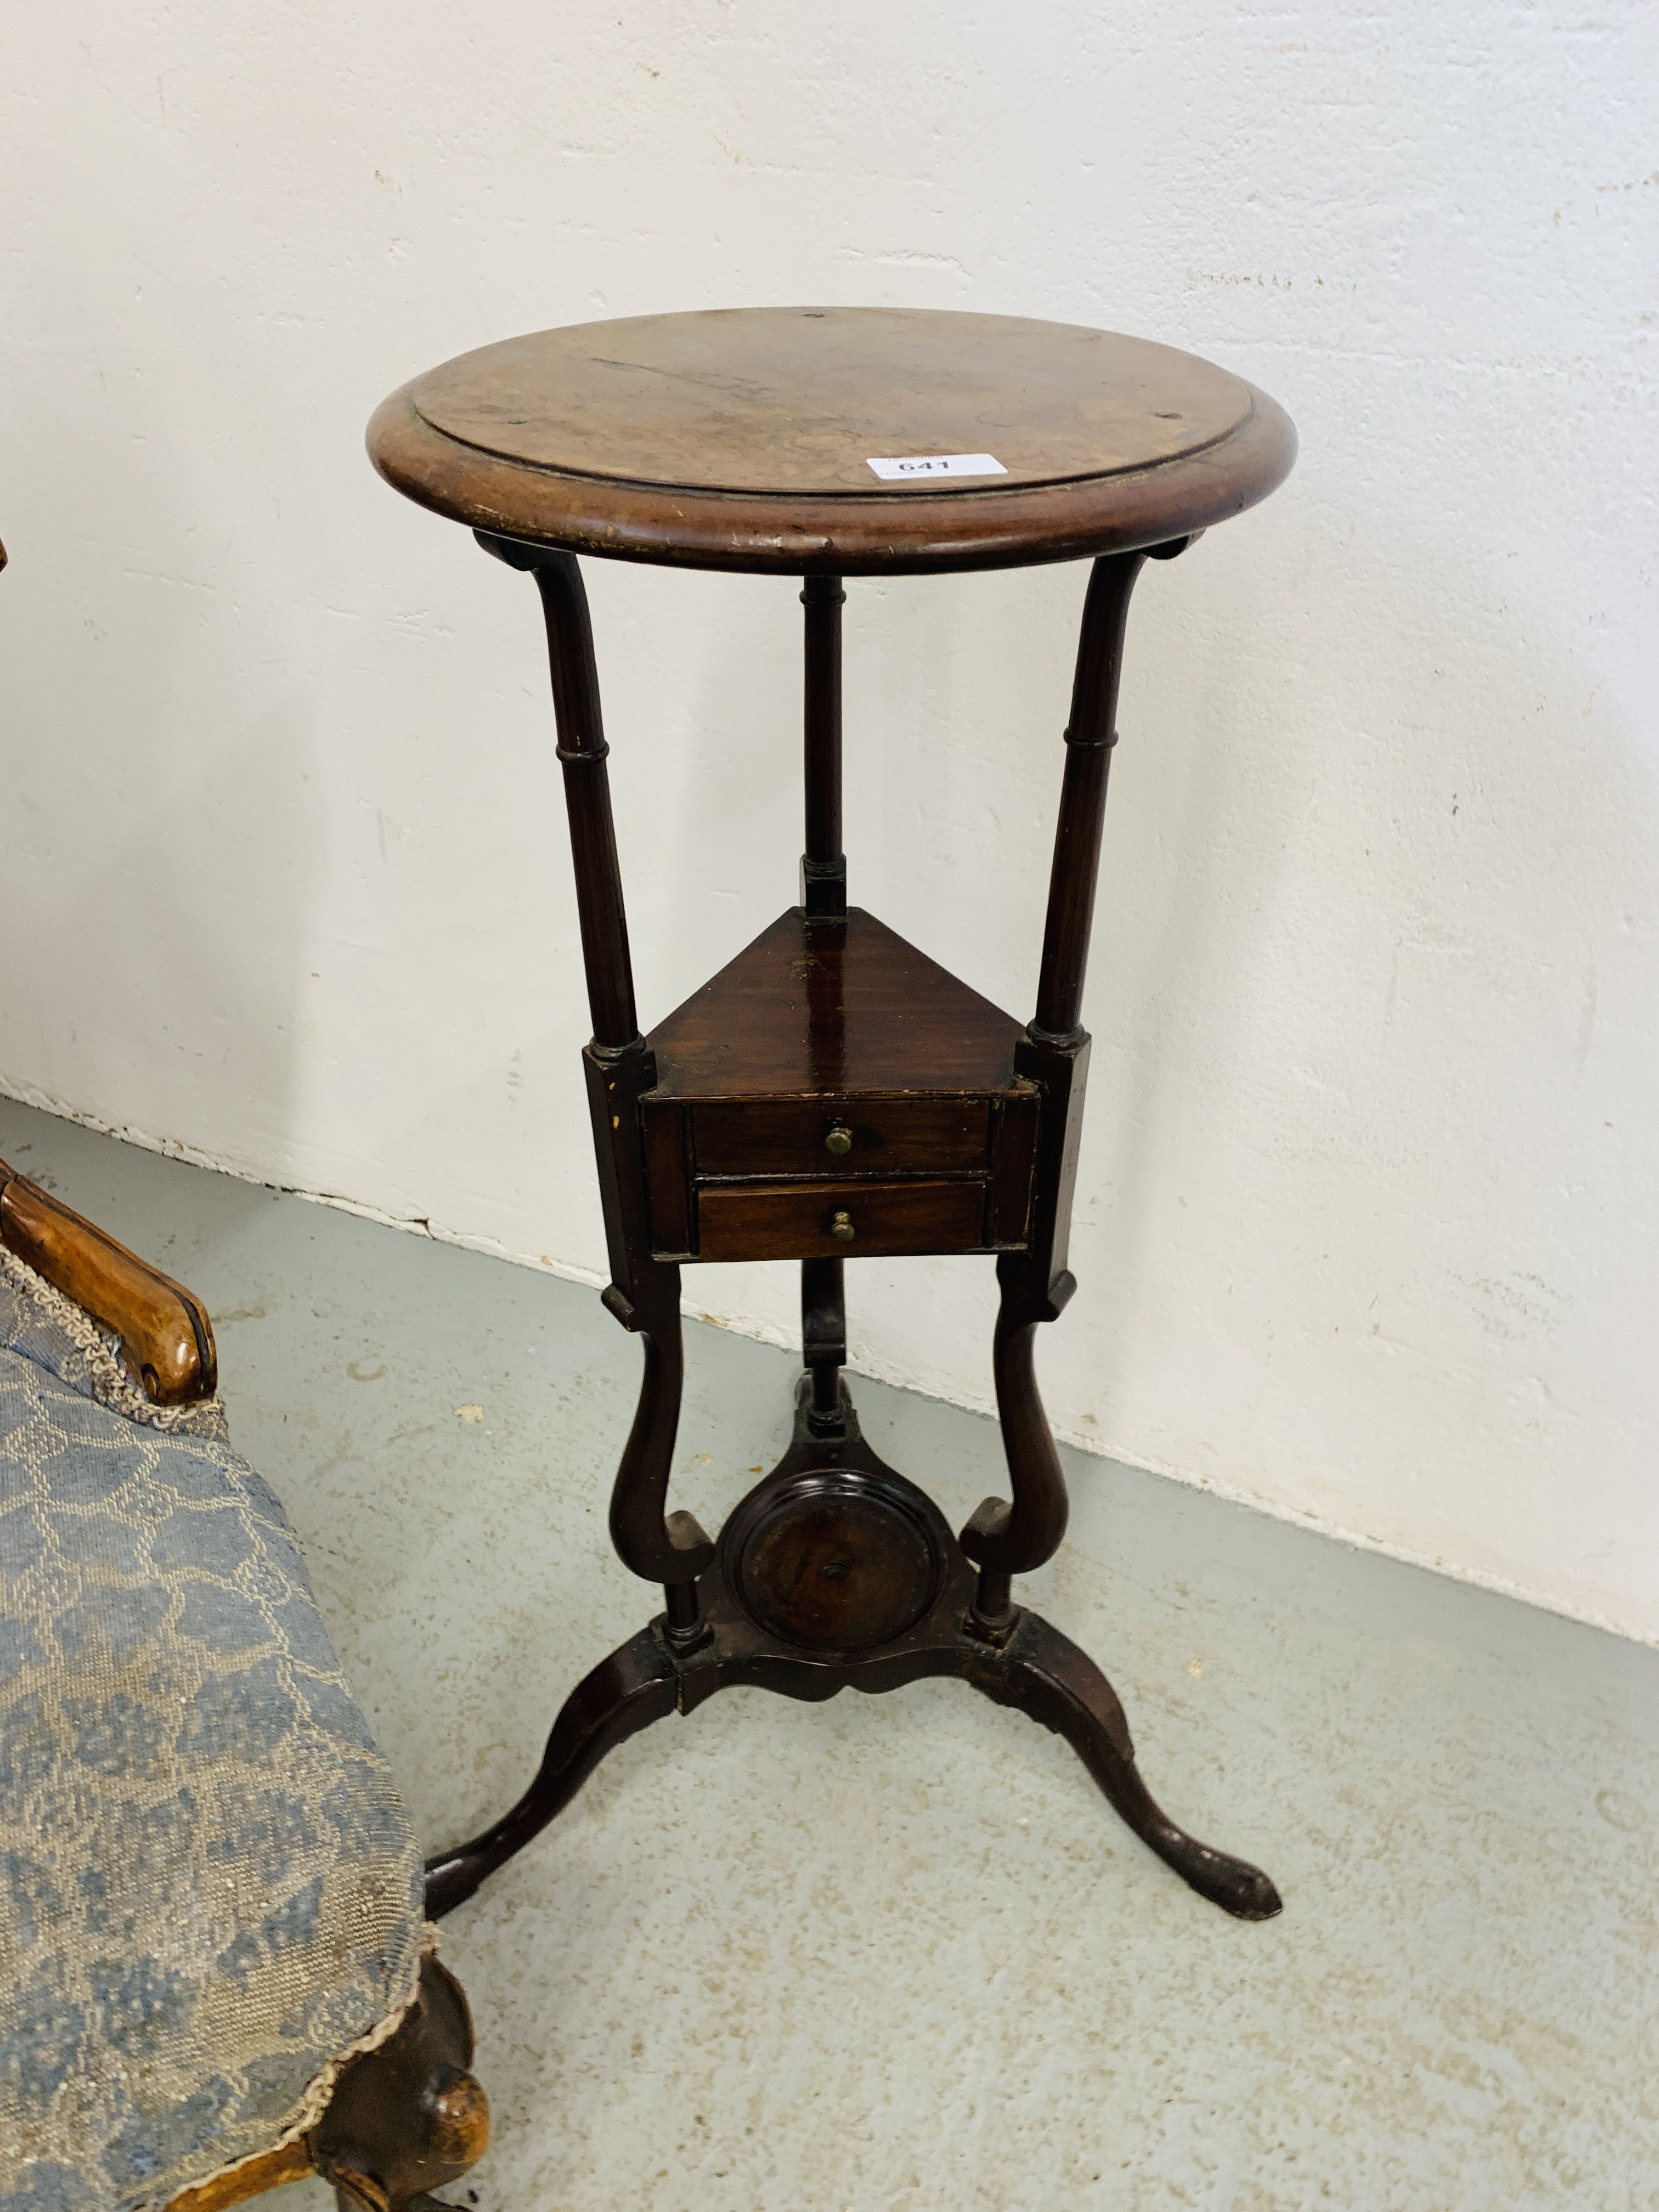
x,y
834,1093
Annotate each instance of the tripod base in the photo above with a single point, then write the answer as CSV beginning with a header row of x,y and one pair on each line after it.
x,y
835,1573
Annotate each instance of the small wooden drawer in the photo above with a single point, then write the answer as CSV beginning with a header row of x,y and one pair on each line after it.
x,y
798,1220
785,1137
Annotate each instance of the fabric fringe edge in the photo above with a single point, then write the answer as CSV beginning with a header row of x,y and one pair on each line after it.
x,y
314,2102
111,1382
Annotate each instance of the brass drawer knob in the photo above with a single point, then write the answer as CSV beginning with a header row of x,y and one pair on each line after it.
x,y
839,1141
841,1229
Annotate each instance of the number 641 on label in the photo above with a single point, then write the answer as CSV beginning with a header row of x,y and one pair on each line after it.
x,y
938,464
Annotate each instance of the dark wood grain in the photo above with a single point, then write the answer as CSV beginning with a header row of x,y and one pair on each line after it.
x,y
1018,1535
1015,1537
810,1013
164,1328
1089,737
582,753
667,1128
824,864
644,1294
796,1220
1013,1160
823,1338
835,1563
882,1136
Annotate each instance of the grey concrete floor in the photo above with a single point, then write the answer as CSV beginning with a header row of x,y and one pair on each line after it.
x,y
895,1955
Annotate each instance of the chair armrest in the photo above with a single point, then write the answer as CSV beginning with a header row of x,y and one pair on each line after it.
x,y
165,1332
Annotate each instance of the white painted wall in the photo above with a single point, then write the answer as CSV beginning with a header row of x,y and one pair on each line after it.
x,y
1367,1225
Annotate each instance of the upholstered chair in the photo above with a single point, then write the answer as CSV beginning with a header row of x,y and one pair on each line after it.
x,y
215,1969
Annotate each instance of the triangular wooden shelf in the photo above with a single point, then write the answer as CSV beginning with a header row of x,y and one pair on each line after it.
x,y
827,1011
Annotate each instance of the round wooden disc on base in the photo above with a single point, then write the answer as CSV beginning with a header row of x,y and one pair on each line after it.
x,y
834,1561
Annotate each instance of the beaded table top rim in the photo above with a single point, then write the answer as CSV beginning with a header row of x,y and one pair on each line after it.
x,y
878,494
790,440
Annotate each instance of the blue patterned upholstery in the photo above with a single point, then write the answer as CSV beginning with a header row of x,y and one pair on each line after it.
x,y
208,1889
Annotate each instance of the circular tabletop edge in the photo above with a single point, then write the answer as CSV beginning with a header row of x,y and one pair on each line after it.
x,y
913,531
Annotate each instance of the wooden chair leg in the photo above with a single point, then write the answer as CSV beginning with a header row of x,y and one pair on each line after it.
x,y
403,2120
409,2118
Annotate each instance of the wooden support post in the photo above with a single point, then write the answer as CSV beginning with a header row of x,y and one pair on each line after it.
x,y
1004,1538
644,1293
824,864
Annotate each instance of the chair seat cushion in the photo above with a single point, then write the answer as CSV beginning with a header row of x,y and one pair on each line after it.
x,y
209,1890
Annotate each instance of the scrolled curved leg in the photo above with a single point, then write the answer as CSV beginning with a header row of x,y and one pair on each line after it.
x,y
662,1546
644,1294
1006,1539
1042,1672
635,1685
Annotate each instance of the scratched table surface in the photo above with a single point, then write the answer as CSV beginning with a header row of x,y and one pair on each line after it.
x,y
852,439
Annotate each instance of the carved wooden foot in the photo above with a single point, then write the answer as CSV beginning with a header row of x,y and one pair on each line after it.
x,y
625,1693
1042,1672
409,2118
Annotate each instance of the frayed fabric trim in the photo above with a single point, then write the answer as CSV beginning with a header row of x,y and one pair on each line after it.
x,y
315,2101
114,1387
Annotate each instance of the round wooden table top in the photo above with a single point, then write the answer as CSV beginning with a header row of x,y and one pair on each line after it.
x,y
850,439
